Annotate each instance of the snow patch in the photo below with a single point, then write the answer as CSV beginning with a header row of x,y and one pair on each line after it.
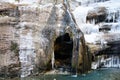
x,y
80,14
91,30
91,38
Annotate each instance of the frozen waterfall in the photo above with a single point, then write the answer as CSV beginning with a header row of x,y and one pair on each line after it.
x,y
107,61
27,54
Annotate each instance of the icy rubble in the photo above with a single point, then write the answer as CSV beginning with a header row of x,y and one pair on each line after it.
x,y
110,62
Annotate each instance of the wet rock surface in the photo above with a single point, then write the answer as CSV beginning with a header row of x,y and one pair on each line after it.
x,y
28,35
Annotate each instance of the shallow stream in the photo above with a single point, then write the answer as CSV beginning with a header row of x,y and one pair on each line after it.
x,y
101,74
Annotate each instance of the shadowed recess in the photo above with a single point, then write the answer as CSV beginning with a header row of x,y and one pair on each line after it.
x,y
63,51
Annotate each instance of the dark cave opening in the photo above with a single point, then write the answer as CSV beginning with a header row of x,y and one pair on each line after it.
x,y
63,47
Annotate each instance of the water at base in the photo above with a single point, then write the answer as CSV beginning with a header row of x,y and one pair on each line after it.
x,y
74,75
101,74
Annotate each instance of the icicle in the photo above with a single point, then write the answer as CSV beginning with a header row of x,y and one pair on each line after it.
x,y
93,21
111,61
119,62
113,17
102,43
53,60
109,16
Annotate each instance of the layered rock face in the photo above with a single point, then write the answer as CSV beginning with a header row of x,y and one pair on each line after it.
x,y
41,35
9,48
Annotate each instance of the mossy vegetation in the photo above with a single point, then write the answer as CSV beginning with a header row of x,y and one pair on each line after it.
x,y
14,47
17,0
1,15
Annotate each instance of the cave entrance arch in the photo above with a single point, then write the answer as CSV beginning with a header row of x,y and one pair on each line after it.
x,y
63,47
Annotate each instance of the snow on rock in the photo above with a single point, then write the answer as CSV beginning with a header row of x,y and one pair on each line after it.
x,y
80,14
100,23
21,1
11,1
91,38
109,25
28,1
89,28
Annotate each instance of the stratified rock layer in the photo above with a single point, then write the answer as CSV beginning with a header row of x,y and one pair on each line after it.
x,y
9,48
